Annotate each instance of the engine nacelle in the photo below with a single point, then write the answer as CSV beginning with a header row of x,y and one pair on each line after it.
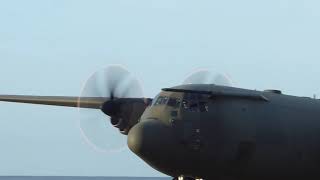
x,y
125,112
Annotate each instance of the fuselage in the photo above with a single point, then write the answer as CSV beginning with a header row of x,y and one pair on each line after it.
x,y
230,137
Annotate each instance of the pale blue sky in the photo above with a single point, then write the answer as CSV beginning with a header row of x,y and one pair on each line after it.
x,y
49,47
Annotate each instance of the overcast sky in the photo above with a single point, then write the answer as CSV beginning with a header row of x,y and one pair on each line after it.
x,y
50,47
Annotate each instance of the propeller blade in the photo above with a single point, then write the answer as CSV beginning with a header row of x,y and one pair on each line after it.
x,y
112,83
205,76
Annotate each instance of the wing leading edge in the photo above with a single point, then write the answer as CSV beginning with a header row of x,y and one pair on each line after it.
x,y
86,102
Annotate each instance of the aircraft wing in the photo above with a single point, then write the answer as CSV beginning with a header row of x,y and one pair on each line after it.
x,y
86,102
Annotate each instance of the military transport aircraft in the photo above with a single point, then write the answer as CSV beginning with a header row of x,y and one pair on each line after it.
x,y
202,130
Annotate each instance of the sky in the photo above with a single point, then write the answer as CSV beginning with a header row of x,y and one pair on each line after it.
x,y
50,47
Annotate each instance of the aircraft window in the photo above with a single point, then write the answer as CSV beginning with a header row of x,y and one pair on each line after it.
x,y
161,100
174,102
195,103
194,107
155,100
185,104
191,106
203,106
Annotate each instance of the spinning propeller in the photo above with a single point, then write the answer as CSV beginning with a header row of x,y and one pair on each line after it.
x,y
113,83
206,76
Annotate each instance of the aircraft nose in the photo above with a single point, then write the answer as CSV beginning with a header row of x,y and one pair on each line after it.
x,y
147,137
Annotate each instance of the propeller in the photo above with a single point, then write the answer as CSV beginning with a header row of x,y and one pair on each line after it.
x,y
205,76
112,83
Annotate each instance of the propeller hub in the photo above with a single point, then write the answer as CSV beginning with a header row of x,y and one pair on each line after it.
x,y
110,108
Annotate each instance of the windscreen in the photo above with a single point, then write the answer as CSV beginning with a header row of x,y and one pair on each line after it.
x,y
194,102
165,100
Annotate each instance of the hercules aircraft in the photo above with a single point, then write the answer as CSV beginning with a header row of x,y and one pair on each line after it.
x,y
203,131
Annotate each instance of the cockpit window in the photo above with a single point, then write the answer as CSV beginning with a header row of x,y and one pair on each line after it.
x,y
195,102
164,100
191,106
174,102
203,107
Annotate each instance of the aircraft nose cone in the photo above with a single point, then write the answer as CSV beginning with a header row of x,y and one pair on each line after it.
x,y
147,138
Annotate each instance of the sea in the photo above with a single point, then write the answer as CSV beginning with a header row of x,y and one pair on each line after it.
x,y
79,178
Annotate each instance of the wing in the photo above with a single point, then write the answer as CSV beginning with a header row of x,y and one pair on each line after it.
x,y
86,102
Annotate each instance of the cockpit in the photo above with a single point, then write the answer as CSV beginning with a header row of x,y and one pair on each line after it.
x,y
195,102
165,100
191,102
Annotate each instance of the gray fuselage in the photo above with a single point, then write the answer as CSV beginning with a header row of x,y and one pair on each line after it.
x,y
230,134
